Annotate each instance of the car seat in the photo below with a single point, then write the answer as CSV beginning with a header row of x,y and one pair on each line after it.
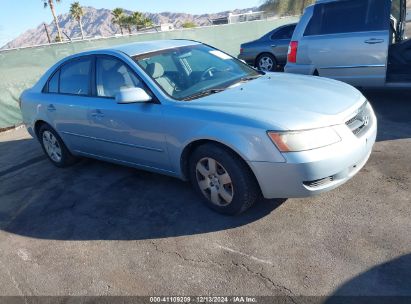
x,y
156,71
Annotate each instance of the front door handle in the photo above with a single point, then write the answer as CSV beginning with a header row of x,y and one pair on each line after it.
x,y
51,108
273,45
374,41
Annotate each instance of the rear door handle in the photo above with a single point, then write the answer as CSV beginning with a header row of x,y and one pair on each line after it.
x,y
273,45
51,108
97,114
374,41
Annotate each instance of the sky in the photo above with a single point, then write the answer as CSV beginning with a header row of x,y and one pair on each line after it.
x,y
18,16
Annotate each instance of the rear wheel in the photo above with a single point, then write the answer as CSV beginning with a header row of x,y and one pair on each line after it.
x,y
54,147
223,179
267,62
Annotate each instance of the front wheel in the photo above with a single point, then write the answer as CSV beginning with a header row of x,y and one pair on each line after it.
x,y
54,147
223,179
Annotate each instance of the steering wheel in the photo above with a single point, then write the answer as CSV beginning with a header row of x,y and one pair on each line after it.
x,y
209,73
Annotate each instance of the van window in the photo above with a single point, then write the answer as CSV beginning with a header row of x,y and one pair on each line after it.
x,y
347,16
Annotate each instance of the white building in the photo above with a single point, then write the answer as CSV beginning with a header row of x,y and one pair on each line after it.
x,y
166,27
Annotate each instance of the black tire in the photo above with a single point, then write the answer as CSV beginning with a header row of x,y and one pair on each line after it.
x,y
66,158
243,188
267,57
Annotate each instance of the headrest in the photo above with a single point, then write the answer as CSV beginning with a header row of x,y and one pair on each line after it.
x,y
112,82
155,69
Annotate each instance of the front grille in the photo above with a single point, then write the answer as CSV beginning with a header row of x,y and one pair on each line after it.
x,y
319,182
360,122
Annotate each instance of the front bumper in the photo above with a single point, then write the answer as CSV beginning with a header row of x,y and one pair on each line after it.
x,y
312,172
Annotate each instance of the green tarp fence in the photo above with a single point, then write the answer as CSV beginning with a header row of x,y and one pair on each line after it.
x,y
21,68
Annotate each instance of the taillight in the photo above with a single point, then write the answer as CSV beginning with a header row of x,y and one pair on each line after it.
x,y
292,52
241,50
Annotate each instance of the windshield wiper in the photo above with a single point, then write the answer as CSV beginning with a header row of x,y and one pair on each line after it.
x,y
217,90
248,78
204,93
244,79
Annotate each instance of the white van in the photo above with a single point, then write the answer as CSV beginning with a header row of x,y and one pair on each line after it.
x,y
361,42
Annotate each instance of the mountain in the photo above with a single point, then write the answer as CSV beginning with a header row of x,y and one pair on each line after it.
x,y
97,22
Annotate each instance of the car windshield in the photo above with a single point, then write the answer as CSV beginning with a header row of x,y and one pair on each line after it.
x,y
190,72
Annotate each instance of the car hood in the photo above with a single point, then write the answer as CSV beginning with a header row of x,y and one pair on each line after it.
x,y
287,102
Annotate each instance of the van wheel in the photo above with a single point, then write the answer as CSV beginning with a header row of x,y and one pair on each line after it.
x,y
267,62
54,147
223,179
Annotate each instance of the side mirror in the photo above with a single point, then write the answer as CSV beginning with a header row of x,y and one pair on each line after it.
x,y
132,95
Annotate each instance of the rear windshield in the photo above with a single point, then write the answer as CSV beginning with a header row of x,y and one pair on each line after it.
x,y
346,16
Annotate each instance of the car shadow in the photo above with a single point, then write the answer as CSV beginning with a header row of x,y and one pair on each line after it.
x,y
393,110
95,200
383,284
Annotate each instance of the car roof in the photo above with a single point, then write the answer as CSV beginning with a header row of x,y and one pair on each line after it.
x,y
143,47
137,48
284,25
289,24
279,28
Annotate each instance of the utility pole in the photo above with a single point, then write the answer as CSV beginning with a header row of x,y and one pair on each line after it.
x,y
47,32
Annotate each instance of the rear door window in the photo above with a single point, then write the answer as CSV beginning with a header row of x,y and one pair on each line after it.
x,y
284,33
347,16
54,83
75,77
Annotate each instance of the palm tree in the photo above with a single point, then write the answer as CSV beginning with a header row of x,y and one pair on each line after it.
x,y
137,19
50,3
118,16
147,22
303,5
128,22
140,21
76,11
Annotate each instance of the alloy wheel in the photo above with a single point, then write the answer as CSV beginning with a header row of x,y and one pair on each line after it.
x,y
214,181
52,146
266,63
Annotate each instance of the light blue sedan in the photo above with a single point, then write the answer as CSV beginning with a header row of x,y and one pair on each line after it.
x,y
188,110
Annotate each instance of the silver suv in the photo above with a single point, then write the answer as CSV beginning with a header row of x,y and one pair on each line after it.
x,y
360,42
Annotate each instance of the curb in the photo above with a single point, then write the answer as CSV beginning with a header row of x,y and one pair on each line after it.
x,y
11,129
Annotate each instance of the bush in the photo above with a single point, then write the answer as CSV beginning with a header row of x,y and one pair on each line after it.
x,y
189,24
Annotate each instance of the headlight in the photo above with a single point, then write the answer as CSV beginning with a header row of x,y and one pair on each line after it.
x,y
295,141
